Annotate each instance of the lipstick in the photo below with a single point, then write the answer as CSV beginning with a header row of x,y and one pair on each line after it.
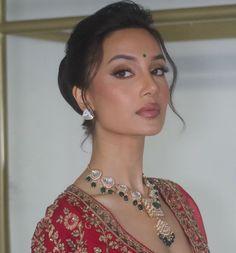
x,y
151,110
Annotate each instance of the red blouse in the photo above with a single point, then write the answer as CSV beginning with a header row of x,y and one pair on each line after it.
x,y
78,223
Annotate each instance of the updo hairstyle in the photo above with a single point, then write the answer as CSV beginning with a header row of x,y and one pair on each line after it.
x,y
84,50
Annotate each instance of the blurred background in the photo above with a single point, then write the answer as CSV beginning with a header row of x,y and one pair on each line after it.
x,y
44,133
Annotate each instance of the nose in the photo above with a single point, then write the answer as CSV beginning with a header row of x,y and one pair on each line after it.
x,y
150,86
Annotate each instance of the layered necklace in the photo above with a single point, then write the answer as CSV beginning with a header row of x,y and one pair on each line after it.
x,y
151,204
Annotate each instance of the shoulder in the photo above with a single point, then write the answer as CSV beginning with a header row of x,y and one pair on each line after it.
x,y
173,188
175,193
61,226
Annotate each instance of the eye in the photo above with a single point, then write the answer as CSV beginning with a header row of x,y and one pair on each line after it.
x,y
160,71
122,73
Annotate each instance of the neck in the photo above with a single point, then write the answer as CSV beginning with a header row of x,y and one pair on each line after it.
x,y
120,157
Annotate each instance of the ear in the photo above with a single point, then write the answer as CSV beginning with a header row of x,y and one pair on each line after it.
x,y
77,93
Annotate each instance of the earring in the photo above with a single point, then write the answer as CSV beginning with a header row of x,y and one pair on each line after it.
x,y
88,114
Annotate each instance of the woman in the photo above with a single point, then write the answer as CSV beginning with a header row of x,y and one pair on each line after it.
x,y
114,75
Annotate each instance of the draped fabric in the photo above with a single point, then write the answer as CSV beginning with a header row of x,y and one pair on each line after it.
x,y
78,223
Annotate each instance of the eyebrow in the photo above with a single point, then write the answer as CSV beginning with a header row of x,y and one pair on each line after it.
x,y
132,58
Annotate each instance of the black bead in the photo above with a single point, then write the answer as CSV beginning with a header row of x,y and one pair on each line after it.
x,y
135,202
140,207
121,194
93,184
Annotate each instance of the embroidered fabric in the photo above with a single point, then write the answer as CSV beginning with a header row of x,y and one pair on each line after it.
x,y
76,222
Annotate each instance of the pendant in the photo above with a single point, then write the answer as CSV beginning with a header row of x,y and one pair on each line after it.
x,y
164,232
151,210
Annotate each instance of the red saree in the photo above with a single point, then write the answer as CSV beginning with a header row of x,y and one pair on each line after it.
x,y
77,223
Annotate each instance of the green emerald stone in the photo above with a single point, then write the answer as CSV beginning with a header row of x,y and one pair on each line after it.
x,y
110,191
156,204
167,240
103,189
88,178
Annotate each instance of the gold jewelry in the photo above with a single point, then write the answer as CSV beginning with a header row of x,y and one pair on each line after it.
x,y
151,205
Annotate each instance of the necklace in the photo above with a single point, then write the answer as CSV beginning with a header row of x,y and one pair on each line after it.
x,y
151,205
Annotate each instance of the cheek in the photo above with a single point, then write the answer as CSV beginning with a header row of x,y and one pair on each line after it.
x,y
108,99
166,94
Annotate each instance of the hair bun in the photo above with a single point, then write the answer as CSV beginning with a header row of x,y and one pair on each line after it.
x,y
66,87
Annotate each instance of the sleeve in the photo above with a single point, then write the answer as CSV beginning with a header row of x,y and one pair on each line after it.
x,y
60,231
42,240
195,209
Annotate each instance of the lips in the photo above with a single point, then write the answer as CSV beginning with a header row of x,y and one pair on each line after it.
x,y
151,110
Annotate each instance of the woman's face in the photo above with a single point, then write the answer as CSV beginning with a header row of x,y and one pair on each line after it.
x,y
129,93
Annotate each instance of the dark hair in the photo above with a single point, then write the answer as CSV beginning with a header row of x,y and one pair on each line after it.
x,y
84,49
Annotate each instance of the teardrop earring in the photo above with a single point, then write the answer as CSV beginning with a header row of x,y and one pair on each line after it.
x,y
88,114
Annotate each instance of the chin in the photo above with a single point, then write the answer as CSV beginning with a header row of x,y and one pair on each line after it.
x,y
151,127
152,133
154,130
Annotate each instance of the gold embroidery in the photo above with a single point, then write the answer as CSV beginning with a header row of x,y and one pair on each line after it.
x,y
110,234
46,230
98,222
97,250
184,213
175,201
108,223
38,244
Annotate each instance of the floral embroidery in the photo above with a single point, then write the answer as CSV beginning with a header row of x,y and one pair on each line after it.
x,y
97,250
50,238
39,241
104,222
183,212
76,223
71,220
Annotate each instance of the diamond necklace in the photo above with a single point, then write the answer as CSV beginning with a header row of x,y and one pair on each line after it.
x,y
151,205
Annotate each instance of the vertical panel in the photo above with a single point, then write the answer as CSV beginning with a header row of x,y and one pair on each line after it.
x,y
4,235
3,151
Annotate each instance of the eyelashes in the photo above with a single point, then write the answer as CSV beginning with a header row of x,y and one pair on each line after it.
x,y
160,71
124,73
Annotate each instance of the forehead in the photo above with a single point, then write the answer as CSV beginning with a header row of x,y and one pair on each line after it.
x,y
134,41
